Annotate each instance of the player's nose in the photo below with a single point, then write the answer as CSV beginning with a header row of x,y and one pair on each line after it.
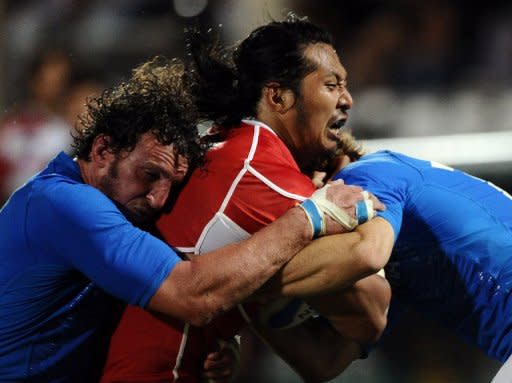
x,y
158,195
345,101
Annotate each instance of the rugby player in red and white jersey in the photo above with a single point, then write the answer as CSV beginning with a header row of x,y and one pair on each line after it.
x,y
261,168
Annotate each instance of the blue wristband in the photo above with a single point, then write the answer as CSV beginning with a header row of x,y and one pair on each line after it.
x,y
314,215
361,212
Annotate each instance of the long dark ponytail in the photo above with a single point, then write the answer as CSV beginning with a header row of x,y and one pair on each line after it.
x,y
230,80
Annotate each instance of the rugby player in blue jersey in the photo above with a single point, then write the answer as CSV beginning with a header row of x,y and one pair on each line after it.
x,y
452,257
71,247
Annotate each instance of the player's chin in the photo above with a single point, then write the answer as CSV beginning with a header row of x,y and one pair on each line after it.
x,y
331,143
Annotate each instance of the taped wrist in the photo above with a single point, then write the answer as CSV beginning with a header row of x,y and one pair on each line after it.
x,y
315,217
318,205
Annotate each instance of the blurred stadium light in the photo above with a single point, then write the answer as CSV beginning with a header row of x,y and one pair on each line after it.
x,y
459,150
189,8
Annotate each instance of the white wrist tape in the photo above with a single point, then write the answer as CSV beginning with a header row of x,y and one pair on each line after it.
x,y
327,207
364,209
318,205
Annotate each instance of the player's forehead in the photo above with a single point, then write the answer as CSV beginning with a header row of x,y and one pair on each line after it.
x,y
326,60
149,152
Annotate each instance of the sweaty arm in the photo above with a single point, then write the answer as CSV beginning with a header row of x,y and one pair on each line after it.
x,y
91,236
357,314
206,286
335,262
197,290
357,317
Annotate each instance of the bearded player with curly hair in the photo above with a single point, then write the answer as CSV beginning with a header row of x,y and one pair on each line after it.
x,y
72,250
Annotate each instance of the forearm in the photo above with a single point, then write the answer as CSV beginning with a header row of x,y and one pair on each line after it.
x,y
208,285
314,350
335,262
359,312
357,317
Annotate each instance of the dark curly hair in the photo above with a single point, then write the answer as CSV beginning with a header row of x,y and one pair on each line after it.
x,y
231,78
158,99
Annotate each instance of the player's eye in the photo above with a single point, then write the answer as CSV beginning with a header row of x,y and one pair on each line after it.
x,y
151,175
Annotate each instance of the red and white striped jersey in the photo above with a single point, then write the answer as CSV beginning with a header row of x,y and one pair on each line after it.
x,y
250,180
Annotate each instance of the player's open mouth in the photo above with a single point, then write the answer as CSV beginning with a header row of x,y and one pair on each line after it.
x,y
335,127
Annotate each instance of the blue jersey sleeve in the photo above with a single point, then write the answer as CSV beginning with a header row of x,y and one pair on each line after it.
x,y
78,226
386,179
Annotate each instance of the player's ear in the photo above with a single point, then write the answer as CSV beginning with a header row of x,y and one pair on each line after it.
x,y
100,150
279,99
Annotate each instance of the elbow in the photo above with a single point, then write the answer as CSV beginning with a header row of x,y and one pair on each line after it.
x,y
377,326
381,320
371,258
375,296
374,246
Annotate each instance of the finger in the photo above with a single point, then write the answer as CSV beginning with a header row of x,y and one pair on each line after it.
x,y
212,364
355,188
377,205
339,181
318,179
215,363
213,356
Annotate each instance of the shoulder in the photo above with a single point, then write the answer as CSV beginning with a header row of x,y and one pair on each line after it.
x,y
257,149
377,160
272,150
388,176
383,167
252,140
68,200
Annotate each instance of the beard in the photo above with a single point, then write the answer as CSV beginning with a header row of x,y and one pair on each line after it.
x,y
140,214
109,184
323,161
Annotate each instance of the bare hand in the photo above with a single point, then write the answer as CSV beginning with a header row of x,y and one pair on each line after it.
x,y
220,366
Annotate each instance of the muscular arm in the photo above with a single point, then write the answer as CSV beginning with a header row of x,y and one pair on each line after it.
x,y
324,273
318,351
197,290
358,312
334,262
314,349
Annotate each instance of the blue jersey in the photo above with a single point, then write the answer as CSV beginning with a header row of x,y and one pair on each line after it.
x,y
452,258
68,257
